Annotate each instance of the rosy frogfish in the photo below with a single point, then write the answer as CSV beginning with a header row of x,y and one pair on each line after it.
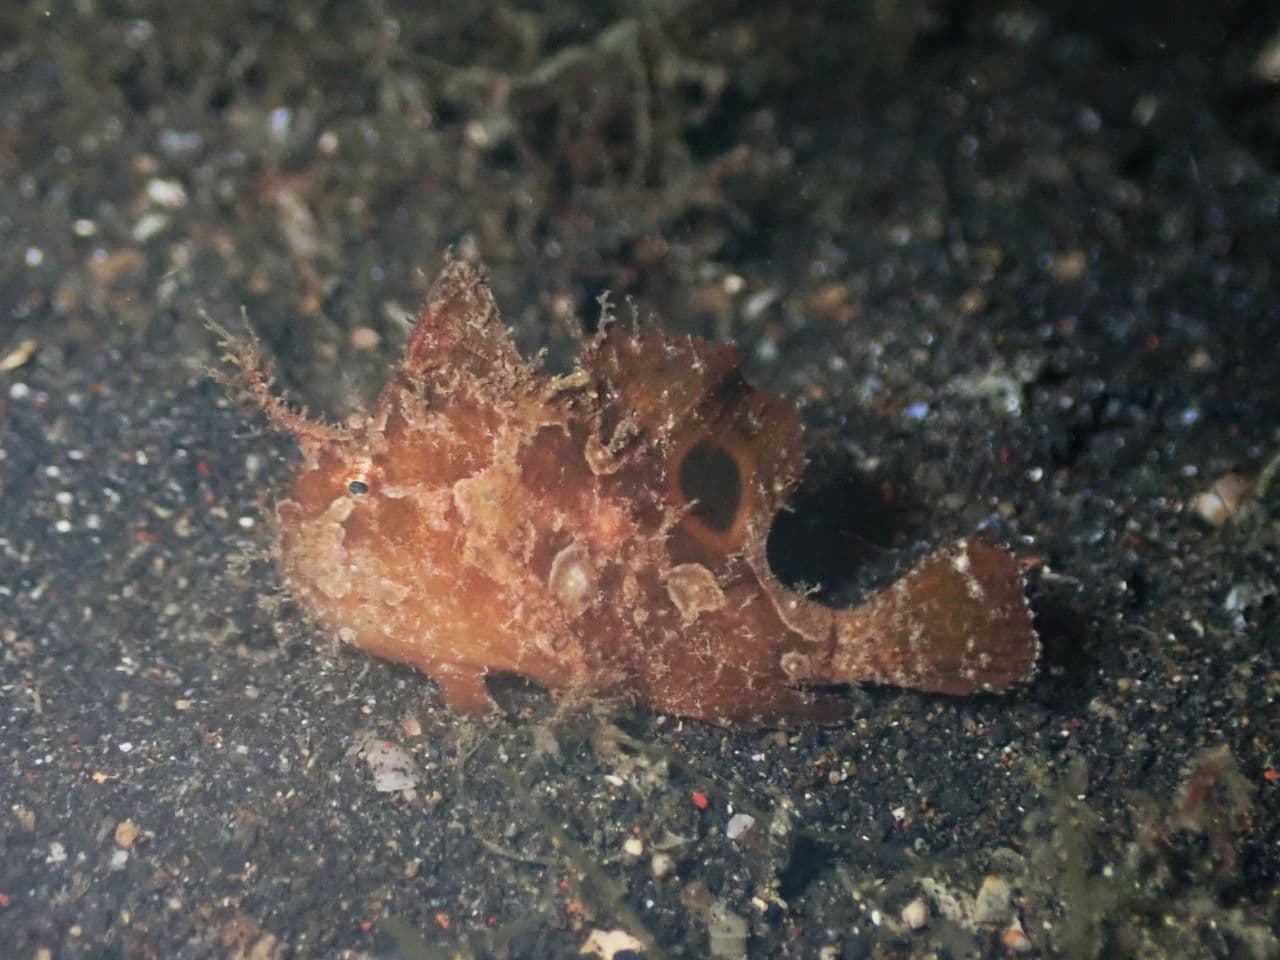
x,y
602,533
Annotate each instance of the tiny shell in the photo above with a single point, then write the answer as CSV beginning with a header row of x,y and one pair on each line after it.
x,y
738,825
1224,499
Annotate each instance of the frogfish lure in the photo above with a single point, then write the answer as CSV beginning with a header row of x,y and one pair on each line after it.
x,y
602,533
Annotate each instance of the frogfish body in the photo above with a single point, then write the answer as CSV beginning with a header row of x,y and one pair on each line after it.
x,y
602,533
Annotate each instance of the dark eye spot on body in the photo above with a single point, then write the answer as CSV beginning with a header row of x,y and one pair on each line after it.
x,y
710,479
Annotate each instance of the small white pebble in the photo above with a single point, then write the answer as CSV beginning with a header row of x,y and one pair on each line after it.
x,y
739,824
166,193
915,915
759,302
148,226
281,121
607,944
633,846
661,865
477,135
33,257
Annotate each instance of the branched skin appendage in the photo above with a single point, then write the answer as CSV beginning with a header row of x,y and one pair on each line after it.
x,y
603,533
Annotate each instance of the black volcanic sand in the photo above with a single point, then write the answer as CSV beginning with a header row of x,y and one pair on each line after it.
x,y
1017,269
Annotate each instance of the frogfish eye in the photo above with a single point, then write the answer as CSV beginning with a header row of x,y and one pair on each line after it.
x,y
359,476
711,479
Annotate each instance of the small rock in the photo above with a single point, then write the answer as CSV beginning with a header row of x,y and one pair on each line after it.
x,y
1224,499
126,833
958,908
266,947
915,915
1015,938
992,903
1247,594
727,932
148,226
739,824
392,767
661,865
166,193
1068,266
607,943
18,356
411,725
633,846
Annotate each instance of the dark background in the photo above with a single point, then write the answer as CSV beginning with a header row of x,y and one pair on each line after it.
x,y
1015,262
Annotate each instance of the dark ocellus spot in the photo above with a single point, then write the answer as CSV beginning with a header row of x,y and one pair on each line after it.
x,y
710,476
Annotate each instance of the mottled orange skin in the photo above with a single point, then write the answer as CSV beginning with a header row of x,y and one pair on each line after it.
x,y
603,533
